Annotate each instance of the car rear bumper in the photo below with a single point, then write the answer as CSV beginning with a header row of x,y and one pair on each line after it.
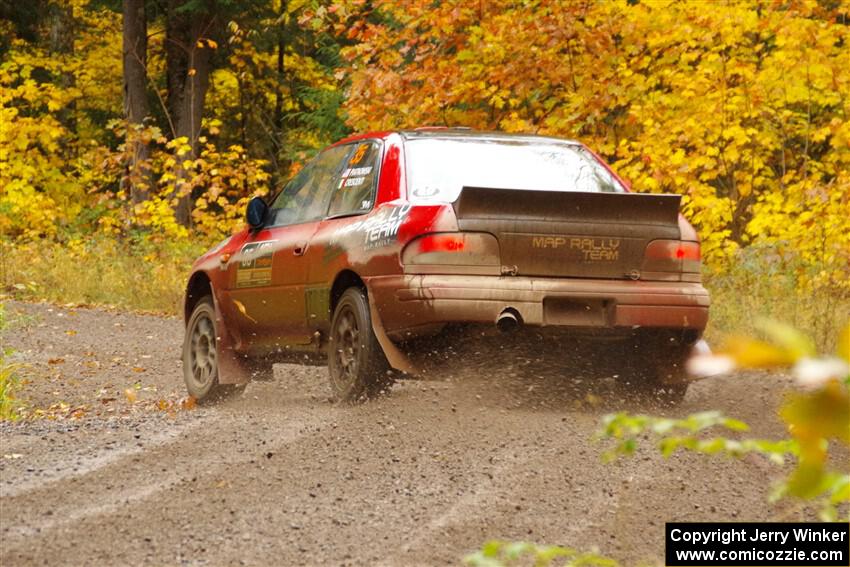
x,y
409,301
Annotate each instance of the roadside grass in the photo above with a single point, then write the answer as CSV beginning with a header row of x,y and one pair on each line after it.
x,y
759,287
145,276
137,276
10,382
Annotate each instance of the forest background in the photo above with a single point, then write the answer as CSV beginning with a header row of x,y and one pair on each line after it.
x,y
133,133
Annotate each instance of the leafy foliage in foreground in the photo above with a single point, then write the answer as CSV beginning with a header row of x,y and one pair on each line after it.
x,y
816,418
497,553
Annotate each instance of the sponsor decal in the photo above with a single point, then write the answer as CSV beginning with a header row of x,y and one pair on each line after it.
x,y
361,151
354,176
426,192
378,229
255,264
588,249
548,241
352,181
358,171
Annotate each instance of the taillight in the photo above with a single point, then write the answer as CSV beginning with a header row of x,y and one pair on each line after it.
x,y
672,256
474,249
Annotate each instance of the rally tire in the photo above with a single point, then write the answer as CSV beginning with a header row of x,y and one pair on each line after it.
x,y
357,367
200,356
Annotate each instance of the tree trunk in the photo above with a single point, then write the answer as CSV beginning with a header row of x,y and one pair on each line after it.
x,y
135,97
188,67
60,40
176,66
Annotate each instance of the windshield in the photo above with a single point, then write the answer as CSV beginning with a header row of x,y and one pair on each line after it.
x,y
439,168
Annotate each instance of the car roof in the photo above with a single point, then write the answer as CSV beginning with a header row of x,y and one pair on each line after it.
x,y
456,133
471,134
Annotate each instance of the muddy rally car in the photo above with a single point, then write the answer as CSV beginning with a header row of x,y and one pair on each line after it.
x,y
387,243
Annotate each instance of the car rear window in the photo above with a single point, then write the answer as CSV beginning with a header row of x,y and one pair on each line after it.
x,y
439,168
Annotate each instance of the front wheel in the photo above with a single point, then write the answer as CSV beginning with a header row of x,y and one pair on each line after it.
x,y
357,366
200,357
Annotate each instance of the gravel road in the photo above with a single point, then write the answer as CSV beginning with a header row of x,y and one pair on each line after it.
x,y
282,476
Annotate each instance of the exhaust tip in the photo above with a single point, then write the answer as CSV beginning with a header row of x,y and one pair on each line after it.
x,y
509,321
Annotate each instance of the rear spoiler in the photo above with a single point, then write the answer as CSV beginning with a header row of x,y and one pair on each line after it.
x,y
640,208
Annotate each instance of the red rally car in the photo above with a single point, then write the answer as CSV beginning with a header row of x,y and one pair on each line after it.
x,y
386,238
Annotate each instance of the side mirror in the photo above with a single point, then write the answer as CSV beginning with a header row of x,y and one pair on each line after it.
x,y
256,213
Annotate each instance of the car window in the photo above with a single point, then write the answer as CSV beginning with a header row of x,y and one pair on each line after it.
x,y
284,209
439,168
355,190
305,197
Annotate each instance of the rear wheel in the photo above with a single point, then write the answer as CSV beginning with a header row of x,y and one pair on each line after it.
x,y
357,366
200,357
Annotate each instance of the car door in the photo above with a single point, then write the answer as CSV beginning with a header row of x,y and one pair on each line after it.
x,y
353,198
270,269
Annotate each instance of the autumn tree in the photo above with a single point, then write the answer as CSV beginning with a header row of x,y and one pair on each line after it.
x,y
280,91
742,109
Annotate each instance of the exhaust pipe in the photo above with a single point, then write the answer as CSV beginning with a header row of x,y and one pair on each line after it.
x,y
508,321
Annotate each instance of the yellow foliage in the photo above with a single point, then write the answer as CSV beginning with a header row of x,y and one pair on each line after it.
x,y
742,108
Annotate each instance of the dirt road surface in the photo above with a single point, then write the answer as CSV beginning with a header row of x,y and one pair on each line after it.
x,y
282,476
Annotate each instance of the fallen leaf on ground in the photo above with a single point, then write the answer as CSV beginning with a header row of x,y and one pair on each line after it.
x,y
79,412
131,395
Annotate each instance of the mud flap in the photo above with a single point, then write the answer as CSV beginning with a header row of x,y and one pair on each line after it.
x,y
395,357
230,369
